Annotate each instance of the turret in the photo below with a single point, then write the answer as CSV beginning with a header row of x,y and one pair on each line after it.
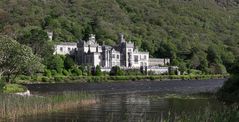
x,y
92,38
50,35
122,40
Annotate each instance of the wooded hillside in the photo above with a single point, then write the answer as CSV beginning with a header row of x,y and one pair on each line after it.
x,y
199,34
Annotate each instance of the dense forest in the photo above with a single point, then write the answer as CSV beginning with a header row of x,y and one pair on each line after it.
x,y
195,34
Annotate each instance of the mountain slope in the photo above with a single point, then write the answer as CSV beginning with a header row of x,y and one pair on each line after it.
x,y
186,28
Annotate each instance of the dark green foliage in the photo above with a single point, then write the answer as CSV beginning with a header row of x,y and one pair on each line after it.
x,y
217,69
76,72
53,72
37,39
47,73
65,72
24,77
116,71
58,78
166,49
200,33
69,63
45,79
234,68
16,59
56,63
213,55
230,90
97,71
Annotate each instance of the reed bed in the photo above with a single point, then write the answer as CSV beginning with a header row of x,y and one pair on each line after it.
x,y
227,114
14,106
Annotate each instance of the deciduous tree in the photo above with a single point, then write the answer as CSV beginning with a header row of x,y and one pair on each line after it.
x,y
16,58
37,39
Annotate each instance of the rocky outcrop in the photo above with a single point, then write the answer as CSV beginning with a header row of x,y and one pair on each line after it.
x,y
26,93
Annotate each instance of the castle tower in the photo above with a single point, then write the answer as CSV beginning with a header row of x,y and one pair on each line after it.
x,y
122,40
50,35
92,38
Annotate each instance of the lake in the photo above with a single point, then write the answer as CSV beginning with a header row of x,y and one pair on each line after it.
x,y
152,101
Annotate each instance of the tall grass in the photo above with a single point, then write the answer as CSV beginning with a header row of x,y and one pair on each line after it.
x,y
228,114
14,106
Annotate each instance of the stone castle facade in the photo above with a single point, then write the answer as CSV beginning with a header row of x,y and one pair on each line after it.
x,y
124,55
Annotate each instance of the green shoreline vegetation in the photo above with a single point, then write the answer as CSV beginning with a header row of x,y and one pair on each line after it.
x,y
230,90
102,79
14,106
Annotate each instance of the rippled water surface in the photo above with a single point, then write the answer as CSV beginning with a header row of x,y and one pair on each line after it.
x,y
131,108
134,101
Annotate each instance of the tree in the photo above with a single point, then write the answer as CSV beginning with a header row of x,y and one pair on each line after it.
x,y
97,71
195,61
116,71
37,39
166,50
229,91
16,58
69,63
234,68
213,55
55,63
76,71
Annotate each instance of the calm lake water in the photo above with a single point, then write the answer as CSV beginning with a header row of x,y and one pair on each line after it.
x,y
149,107
166,101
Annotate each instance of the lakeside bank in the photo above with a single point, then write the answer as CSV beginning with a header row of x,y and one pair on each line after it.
x,y
107,89
133,101
179,86
102,79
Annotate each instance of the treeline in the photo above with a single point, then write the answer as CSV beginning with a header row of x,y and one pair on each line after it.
x,y
229,91
202,35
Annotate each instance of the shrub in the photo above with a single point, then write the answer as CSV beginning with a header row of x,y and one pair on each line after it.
x,y
69,63
84,74
152,78
58,78
116,71
14,88
65,72
34,78
229,92
97,71
24,77
53,72
45,79
47,73
59,71
56,62
76,72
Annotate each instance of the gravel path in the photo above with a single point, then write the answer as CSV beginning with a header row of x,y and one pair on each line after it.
x,y
181,86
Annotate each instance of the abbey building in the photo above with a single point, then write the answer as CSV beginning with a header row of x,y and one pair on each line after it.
x,y
125,54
